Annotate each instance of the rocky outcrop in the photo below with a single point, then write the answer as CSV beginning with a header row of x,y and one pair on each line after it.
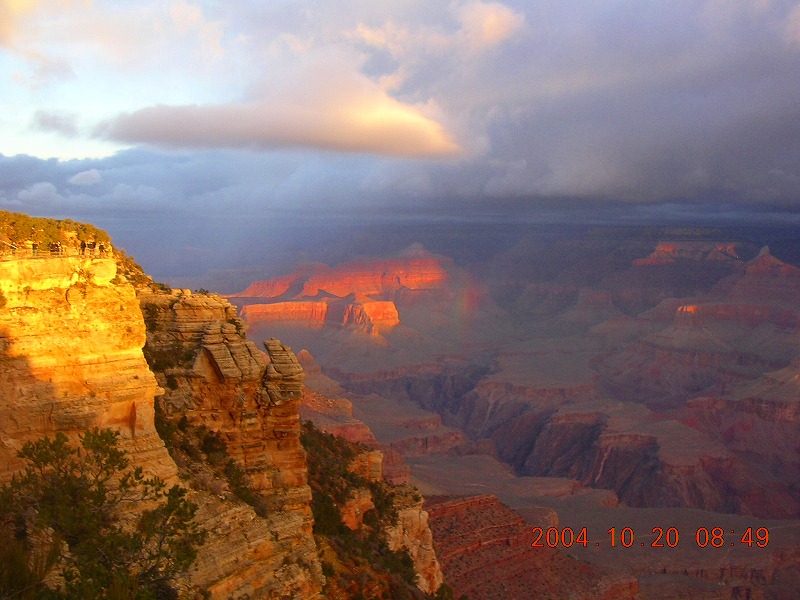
x,y
668,253
371,317
354,508
313,314
367,316
71,337
415,270
216,379
360,296
485,550
412,534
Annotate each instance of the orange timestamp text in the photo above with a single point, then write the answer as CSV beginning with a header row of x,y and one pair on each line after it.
x,y
659,537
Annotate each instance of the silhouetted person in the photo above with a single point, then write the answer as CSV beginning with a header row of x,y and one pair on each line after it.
x,y
83,247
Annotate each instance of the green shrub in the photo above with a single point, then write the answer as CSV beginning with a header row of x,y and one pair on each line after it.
x,y
77,495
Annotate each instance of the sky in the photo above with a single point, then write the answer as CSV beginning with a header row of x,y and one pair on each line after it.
x,y
202,133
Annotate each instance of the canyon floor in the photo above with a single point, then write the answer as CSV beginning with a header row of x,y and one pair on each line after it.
x,y
607,378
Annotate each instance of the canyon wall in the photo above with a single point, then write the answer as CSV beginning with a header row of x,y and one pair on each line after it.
x,y
72,333
217,380
71,337
414,270
367,316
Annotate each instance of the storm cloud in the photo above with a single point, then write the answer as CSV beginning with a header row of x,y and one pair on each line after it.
x,y
201,115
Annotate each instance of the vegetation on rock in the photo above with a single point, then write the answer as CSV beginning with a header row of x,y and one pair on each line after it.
x,y
212,466
357,564
78,510
20,228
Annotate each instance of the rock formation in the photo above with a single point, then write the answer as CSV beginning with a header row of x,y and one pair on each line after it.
x,y
667,253
651,364
367,316
71,335
360,296
410,532
486,553
220,381
416,271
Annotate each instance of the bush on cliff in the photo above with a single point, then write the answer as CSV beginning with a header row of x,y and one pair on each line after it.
x,y
80,508
19,228
359,563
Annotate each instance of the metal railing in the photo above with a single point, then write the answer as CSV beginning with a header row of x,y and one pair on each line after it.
x,y
8,253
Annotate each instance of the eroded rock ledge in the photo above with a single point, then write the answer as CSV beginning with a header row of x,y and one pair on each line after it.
x,y
220,381
71,337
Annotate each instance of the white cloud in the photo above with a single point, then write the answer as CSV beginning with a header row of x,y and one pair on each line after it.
x,y
89,177
42,193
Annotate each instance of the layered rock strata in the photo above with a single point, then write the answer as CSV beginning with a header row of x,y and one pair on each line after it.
x,y
413,534
71,337
218,380
486,553
415,270
378,462
367,316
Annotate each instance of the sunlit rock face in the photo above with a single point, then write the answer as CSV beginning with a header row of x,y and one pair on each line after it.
x,y
359,296
415,270
412,534
367,316
71,334
219,380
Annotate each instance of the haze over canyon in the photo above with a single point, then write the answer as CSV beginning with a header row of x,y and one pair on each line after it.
x,y
587,377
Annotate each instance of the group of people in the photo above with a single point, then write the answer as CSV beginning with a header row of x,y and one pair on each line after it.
x,y
31,247
92,247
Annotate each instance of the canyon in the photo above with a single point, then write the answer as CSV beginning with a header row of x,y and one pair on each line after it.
x,y
620,372
90,341
637,379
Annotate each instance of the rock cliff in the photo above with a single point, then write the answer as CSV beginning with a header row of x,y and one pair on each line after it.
x,y
412,533
374,463
361,296
367,316
219,382
71,337
415,270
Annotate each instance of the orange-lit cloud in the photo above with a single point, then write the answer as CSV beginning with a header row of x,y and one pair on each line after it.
x,y
11,12
338,110
15,13
486,24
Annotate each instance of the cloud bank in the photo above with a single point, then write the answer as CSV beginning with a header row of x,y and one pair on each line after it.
x,y
201,114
